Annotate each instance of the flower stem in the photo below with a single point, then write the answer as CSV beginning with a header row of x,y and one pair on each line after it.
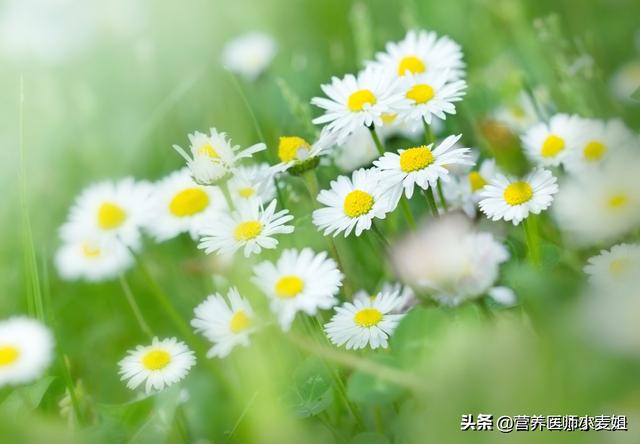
x,y
533,240
428,193
376,139
135,307
428,133
224,186
407,212
383,240
443,201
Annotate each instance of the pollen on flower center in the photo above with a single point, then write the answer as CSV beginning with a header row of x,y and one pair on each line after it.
x,y
618,200
476,181
618,266
156,359
290,146
239,322
246,192
110,216
247,230
412,64
367,317
518,193
594,150
415,159
8,355
357,203
552,146
90,251
208,150
189,202
420,93
360,98
289,286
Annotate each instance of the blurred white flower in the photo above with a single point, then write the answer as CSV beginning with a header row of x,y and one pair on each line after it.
x,y
616,267
463,191
625,82
93,260
249,54
253,182
519,116
549,144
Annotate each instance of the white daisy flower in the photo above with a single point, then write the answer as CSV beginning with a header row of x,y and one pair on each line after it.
x,y
625,81
109,210
93,260
297,155
406,296
463,192
250,227
356,101
179,205
600,206
420,166
161,364
299,281
356,151
520,115
549,144
224,324
364,323
249,54
352,204
422,51
430,95
253,182
213,157
26,350
618,266
512,199
598,141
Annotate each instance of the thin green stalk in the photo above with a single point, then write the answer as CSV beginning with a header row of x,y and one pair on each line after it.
x,y
376,139
404,202
441,196
428,133
428,193
66,374
224,186
383,240
134,306
243,96
533,239
279,194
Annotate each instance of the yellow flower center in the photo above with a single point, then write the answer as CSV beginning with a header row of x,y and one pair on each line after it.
x,y
90,251
552,146
247,230
290,146
208,150
156,359
476,181
594,150
618,200
360,98
8,355
617,267
388,118
415,159
412,64
518,193
357,203
189,202
367,317
239,322
110,216
246,192
289,286
420,93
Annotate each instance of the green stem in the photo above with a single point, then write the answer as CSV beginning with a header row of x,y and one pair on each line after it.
x,y
383,240
428,133
135,307
224,186
66,374
533,240
428,193
441,195
311,180
376,139
243,96
404,202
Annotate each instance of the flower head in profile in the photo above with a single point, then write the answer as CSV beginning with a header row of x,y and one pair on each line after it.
x,y
249,54
212,157
300,281
357,101
225,324
93,260
159,365
26,350
365,322
513,199
619,266
549,144
250,227
352,204
422,52
297,155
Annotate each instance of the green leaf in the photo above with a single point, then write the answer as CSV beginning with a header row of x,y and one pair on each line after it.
x,y
366,388
311,391
28,397
369,438
415,333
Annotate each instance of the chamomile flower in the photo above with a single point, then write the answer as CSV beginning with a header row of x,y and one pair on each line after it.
x,y
213,157
430,95
250,227
226,325
26,350
519,115
253,182
249,54
352,204
513,199
180,205
420,166
356,101
549,144
406,296
365,322
420,52
618,266
597,142
109,210
159,365
463,192
93,260
300,281
356,151
297,155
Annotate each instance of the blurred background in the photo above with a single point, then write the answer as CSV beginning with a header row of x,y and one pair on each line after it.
x,y
109,86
